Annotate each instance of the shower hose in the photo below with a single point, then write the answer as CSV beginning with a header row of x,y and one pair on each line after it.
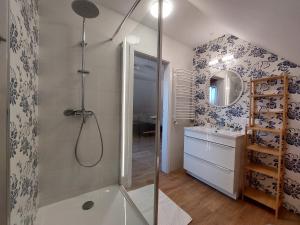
x,y
84,117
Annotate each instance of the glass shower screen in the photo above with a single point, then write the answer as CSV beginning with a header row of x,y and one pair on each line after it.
x,y
139,111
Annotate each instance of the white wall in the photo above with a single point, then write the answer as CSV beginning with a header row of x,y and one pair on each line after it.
x,y
179,57
60,176
60,33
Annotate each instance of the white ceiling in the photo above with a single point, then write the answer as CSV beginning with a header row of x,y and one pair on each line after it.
x,y
272,24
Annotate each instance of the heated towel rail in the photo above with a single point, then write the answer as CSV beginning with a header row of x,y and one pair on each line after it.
x,y
184,106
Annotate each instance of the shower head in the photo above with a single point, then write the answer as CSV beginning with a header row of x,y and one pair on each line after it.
x,y
85,8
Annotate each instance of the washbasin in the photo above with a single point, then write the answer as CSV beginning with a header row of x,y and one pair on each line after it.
x,y
216,131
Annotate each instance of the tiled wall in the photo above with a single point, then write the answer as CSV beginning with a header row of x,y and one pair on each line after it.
x,y
23,89
251,61
59,85
60,89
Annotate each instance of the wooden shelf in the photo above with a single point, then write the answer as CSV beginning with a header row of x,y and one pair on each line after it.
x,y
260,197
276,77
267,95
268,171
270,112
266,150
254,145
271,130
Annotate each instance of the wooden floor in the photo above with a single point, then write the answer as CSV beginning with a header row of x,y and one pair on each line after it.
x,y
143,161
209,207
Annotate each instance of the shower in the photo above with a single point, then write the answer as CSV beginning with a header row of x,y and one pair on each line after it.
x,y
85,9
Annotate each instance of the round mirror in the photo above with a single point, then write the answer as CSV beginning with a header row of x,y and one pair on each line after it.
x,y
225,88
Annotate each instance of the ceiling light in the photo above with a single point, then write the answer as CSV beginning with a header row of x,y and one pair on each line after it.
x,y
167,8
227,58
213,62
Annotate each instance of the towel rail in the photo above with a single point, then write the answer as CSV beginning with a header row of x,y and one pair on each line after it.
x,y
184,107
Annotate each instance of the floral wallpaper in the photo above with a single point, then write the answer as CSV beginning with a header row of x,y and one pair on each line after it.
x,y
23,111
251,61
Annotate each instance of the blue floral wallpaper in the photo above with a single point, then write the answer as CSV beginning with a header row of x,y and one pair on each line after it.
x,y
23,89
251,61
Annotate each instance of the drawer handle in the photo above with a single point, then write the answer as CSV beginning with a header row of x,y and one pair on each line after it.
x,y
199,139
228,148
228,171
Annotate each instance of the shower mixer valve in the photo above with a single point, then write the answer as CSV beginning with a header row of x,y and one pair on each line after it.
x,y
83,71
80,112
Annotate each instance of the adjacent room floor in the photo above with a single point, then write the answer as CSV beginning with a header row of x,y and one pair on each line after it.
x,y
209,207
143,161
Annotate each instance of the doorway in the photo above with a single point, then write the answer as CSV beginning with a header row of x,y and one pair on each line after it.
x,y
144,118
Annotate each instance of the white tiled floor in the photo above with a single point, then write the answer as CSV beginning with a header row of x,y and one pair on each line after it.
x,y
110,208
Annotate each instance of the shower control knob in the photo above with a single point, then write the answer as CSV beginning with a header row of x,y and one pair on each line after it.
x,y
2,39
69,112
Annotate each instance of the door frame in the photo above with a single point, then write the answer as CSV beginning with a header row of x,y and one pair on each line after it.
x,y
4,114
125,178
166,110
129,52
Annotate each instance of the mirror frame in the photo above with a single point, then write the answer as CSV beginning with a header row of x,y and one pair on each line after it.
x,y
236,100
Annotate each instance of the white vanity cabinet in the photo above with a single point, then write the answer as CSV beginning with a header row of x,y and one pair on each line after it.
x,y
215,158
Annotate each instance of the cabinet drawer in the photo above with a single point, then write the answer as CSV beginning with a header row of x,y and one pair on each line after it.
x,y
194,134
222,140
216,153
216,175
212,137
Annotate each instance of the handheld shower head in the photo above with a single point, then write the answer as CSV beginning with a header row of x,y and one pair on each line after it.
x,y
85,8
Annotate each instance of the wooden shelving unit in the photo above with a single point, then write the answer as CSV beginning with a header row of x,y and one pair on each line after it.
x,y
264,129
262,149
270,112
261,197
252,145
271,172
266,95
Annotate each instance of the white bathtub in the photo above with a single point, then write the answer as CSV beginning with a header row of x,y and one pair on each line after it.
x,y
110,208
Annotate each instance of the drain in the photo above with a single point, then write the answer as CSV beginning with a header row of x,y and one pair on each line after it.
x,y
87,205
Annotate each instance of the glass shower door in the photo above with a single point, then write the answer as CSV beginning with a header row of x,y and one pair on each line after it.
x,y
139,113
139,127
